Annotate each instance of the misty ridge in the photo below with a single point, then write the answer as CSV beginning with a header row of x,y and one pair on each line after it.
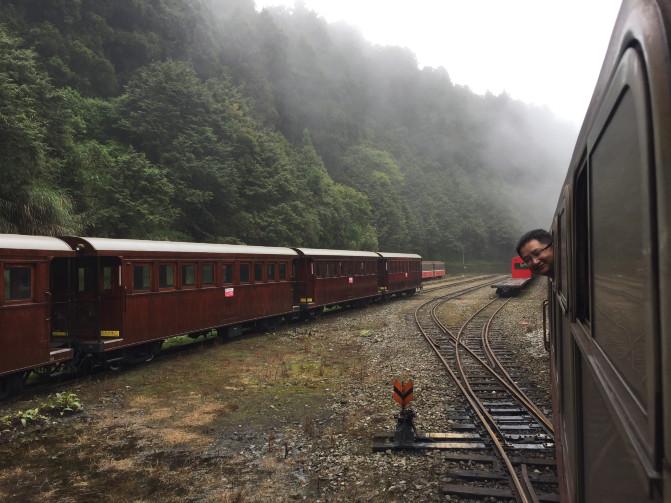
x,y
209,121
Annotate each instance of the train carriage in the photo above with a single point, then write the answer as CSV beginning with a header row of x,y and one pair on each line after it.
x,y
131,292
399,272
328,277
432,269
611,290
27,273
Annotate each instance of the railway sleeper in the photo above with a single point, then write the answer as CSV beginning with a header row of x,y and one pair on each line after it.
x,y
539,478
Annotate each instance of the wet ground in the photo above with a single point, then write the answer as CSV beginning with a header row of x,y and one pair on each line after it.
x,y
280,416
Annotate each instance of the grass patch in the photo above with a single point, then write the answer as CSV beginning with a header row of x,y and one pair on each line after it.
x,y
58,405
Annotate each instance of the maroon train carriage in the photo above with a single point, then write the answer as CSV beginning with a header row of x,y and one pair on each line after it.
x,y
29,266
134,294
329,277
399,273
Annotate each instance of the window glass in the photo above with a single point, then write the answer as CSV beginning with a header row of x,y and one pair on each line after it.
x,y
582,272
207,274
18,282
258,271
107,277
228,273
244,273
141,277
283,271
81,279
622,266
166,276
271,272
188,275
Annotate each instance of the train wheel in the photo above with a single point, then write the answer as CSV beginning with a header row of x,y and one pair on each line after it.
x,y
85,365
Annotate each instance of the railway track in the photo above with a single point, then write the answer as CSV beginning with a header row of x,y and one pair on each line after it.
x,y
506,439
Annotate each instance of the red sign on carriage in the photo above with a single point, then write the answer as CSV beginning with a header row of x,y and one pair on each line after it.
x,y
229,292
350,280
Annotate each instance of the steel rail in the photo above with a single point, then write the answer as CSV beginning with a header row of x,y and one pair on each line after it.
x,y
521,494
483,412
527,402
513,390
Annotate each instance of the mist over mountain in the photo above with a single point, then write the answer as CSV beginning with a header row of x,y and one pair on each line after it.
x,y
210,121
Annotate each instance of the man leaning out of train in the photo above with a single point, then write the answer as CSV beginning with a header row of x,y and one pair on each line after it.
x,y
535,248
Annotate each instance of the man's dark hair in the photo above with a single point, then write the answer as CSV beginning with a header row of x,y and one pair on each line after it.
x,y
540,235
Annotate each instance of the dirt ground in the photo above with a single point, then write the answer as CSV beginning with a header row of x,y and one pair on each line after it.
x,y
281,416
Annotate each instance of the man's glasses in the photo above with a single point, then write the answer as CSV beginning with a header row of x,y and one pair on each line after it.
x,y
535,254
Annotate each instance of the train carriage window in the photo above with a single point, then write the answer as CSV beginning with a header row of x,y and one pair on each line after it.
x,y
258,272
244,273
207,274
582,268
166,276
622,265
188,275
18,282
283,271
270,272
141,277
228,273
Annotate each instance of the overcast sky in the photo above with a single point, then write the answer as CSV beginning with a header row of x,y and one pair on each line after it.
x,y
546,52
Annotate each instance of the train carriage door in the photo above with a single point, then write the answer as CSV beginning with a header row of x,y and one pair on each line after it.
x,y
85,324
60,287
619,364
111,297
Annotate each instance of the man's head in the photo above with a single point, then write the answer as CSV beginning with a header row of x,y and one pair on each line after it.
x,y
535,248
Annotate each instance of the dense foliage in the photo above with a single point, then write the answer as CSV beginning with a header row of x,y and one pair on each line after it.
x,y
209,121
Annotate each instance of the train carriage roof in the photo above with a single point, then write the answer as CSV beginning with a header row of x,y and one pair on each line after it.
x,y
315,252
120,246
42,243
399,255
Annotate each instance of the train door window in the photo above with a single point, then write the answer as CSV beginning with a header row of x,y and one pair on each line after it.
x,y
18,282
244,273
270,272
188,275
258,272
207,274
166,276
582,267
141,277
561,256
107,277
283,271
622,244
228,273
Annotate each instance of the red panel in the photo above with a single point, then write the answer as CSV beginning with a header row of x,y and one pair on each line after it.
x,y
520,269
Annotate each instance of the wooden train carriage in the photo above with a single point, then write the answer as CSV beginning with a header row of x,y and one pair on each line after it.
x,y
132,292
611,291
26,301
399,272
328,277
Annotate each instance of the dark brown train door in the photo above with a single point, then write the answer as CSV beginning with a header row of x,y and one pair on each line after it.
x,y
617,327
62,294
111,297
85,321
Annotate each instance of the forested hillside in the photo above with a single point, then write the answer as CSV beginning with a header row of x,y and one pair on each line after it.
x,y
208,121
